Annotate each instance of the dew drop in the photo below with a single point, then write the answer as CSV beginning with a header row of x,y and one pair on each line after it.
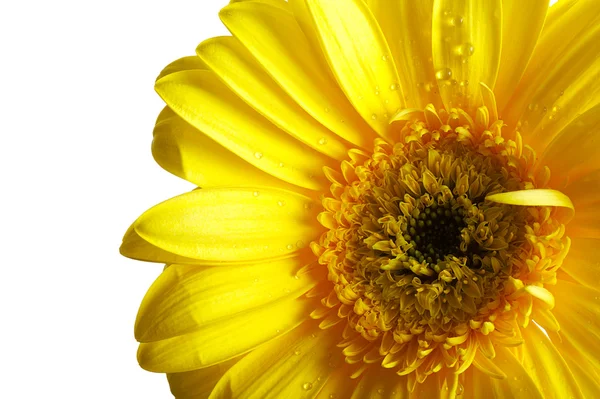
x,y
296,277
544,110
380,391
458,20
296,352
393,87
290,246
531,107
256,280
327,109
278,330
374,117
258,155
460,389
465,50
384,57
307,386
322,141
300,244
281,202
256,193
443,74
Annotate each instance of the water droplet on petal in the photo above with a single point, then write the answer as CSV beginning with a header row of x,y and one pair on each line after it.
x,y
300,244
374,116
384,57
443,74
290,246
281,202
307,386
393,87
256,193
322,141
327,109
296,352
258,155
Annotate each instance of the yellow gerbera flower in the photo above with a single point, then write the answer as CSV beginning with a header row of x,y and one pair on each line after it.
x,y
386,203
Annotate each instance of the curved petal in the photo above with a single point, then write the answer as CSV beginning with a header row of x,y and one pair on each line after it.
x,y
274,38
585,191
562,79
186,152
407,28
225,339
185,298
207,104
466,49
230,224
339,384
536,197
189,63
546,366
477,384
230,60
198,383
579,319
296,365
378,382
522,23
359,58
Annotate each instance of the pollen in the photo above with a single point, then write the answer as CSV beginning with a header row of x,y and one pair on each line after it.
x,y
428,273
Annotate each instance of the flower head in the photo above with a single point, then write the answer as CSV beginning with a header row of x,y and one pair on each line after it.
x,y
386,205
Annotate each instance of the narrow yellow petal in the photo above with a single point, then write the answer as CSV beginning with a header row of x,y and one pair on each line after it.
x,y
406,25
185,298
546,366
575,150
522,23
207,104
359,58
466,49
561,81
583,261
578,313
275,39
225,339
188,153
477,384
535,197
296,365
518,382
229,59
226,224
136,247
198,383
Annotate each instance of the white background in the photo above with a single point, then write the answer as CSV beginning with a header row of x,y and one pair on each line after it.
x,y
77,109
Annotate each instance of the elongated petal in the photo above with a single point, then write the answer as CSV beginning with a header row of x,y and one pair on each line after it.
x,y
224,340
406,25
185,298
535,197
379,382
189,63
359,58
188,153
579,318
230,225
274,38
136,247
562,79
466,49
339,384
198,383
296,365
546,366
518,382
583,261
575,151
229,59
207,104
522,23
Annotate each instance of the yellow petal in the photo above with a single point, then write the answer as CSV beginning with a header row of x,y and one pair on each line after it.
x,y
583,261
359,58
188,153
185,298
378,382
585,373
406,25
477,384
189,63
518,382
136,247
227,224
339,384
224,339
207,104
228,58
585,191
466,49
296,365
522,23
578,313
562,79
575,151
198,383
535,197
546,366
276,41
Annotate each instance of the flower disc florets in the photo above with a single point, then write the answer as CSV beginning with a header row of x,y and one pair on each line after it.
x,y
427,272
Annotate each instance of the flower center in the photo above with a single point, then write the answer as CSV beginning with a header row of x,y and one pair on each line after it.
x,y
425,269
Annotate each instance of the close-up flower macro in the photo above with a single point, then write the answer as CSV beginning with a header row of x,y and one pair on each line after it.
x,y
395,199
